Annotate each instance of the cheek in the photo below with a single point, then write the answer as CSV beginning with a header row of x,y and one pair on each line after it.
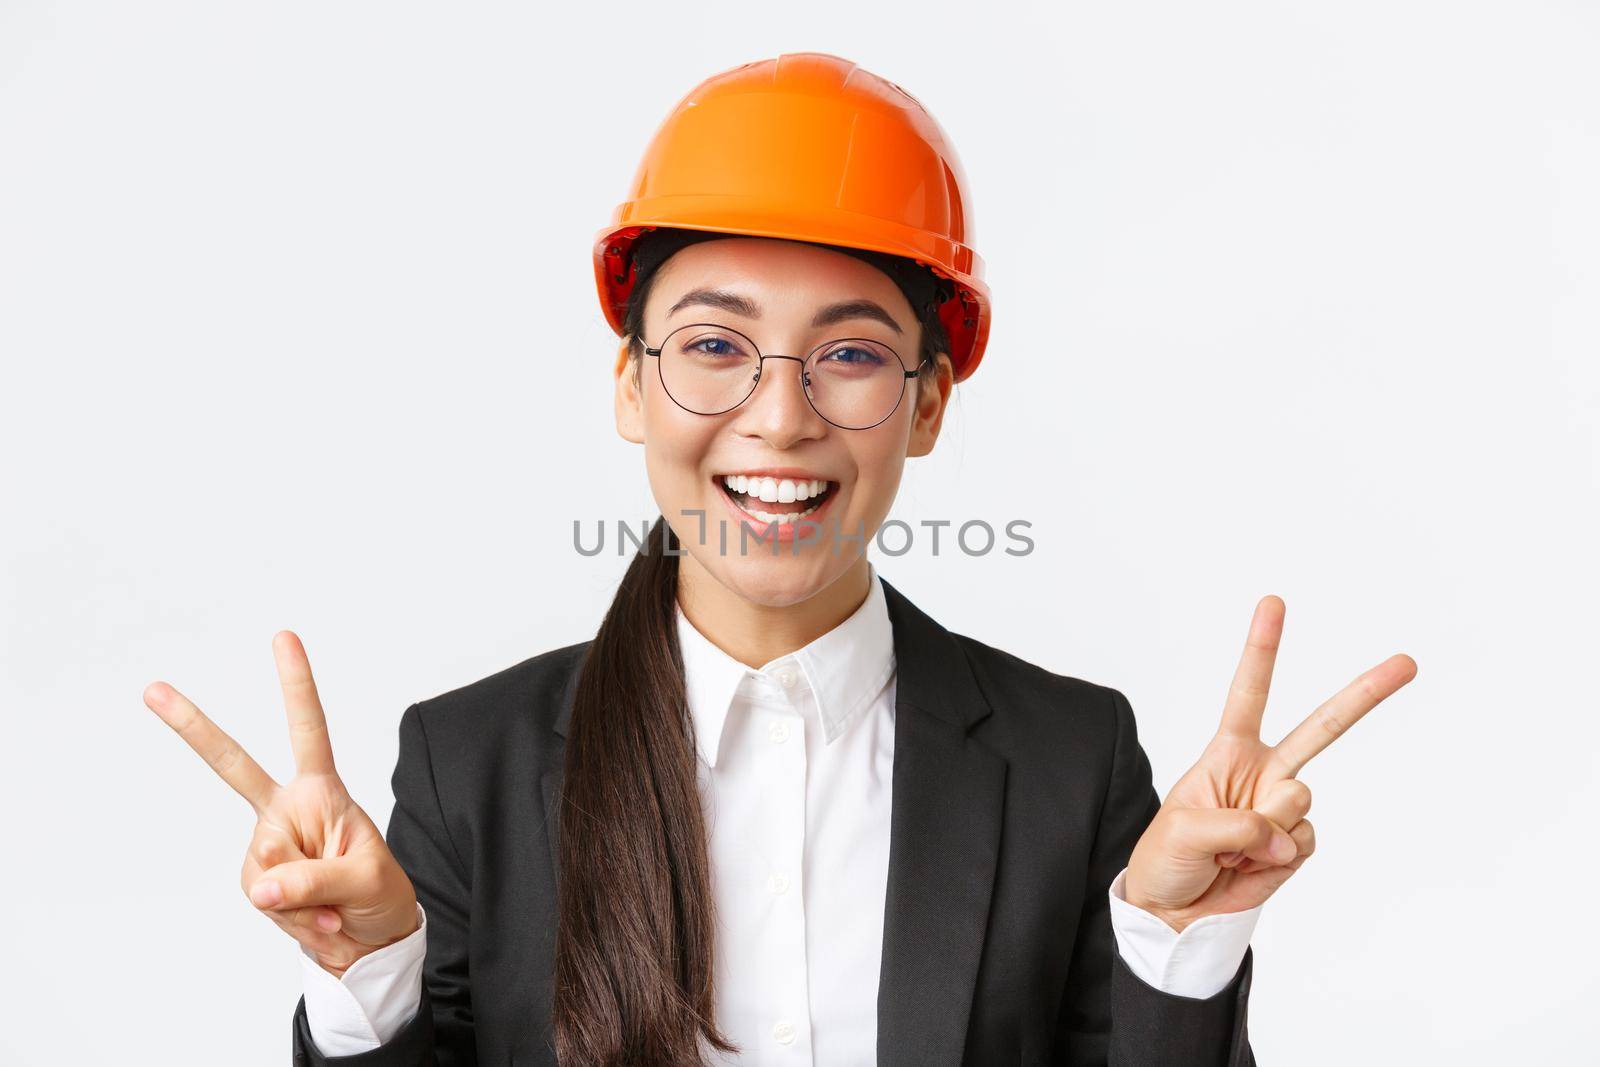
x,y
879,466
676,444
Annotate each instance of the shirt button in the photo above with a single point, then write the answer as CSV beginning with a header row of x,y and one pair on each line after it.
x,y
786,676
777,884
783,1032
779,732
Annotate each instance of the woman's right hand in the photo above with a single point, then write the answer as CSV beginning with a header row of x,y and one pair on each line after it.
x,y
316,865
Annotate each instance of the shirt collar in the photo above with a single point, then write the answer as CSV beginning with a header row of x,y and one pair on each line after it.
x,y
845,668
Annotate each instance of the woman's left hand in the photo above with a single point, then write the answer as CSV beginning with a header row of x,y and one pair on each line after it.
x,y
1234,828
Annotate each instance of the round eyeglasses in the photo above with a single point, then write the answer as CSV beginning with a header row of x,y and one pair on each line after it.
x,y
852,382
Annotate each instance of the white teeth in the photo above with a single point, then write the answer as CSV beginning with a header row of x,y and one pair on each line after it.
x,y
785,518
776,490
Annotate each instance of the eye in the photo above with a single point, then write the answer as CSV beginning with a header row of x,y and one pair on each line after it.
x,y
857,356
714,346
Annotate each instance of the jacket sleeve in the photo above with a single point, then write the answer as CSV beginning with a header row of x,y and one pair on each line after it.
x,y
1109,1016
441,1032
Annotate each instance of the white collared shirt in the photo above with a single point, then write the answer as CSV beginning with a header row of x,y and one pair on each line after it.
x,y
796,764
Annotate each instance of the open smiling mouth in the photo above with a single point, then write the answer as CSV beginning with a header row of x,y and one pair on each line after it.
x,y
780,500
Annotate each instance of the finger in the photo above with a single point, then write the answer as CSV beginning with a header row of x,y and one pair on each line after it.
x,y
1305,839
224,755
308,727
304,924
308,925
1343,710
330,948
1207,833
1247,695
309,883
1285,802
313,927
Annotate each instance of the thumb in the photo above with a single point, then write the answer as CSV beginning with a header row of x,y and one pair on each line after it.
x,y
338,880
1206,833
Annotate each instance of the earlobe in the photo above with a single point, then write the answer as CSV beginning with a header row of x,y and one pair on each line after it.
x,y
628,403
932,396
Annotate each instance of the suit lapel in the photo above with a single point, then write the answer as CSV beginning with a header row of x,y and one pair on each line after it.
x,y
944,845
550,780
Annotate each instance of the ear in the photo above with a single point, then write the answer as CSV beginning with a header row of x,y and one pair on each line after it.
x,y
629,402
933,397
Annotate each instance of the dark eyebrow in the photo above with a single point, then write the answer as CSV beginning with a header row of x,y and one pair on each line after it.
x,y
731,302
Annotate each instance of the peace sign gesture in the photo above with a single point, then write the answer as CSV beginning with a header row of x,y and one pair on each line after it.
x,y
1233,829
316,865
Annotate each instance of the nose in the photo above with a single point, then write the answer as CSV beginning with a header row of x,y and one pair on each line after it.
x,y
779,410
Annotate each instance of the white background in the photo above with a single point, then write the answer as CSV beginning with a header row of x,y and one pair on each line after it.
x,y
298,330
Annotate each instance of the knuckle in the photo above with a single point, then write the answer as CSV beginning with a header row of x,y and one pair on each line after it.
x,y
1176,824
308,885
190,723
368,874
305,728
1248,689
1298,794
227,759
1247,826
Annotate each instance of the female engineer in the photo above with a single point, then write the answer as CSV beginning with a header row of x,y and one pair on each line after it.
x,y
772,812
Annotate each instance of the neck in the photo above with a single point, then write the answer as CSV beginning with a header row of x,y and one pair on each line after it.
x,y
755,634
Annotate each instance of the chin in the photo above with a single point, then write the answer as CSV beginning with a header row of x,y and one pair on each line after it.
x,y
771,579
775,581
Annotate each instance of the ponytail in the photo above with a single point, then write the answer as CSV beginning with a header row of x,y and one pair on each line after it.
x,y
634,938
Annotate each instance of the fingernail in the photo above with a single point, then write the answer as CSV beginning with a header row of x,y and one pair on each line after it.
x,y
328,921
266,894
1283,848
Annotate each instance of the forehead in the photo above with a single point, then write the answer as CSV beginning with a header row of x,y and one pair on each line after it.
x,y
800,271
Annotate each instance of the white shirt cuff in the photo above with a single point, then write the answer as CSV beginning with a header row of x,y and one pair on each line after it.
x,y
377,996
1199,962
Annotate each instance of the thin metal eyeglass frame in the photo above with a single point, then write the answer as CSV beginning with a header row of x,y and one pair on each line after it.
x,y
805,378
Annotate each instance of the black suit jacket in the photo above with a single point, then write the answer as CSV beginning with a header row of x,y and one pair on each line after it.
x,y
1017,796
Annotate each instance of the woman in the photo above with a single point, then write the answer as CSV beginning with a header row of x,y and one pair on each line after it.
x,y
773,812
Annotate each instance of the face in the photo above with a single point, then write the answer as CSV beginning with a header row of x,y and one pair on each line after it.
x,y
784,286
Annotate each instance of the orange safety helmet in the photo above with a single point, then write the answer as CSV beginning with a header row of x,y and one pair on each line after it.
x,y
808,147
